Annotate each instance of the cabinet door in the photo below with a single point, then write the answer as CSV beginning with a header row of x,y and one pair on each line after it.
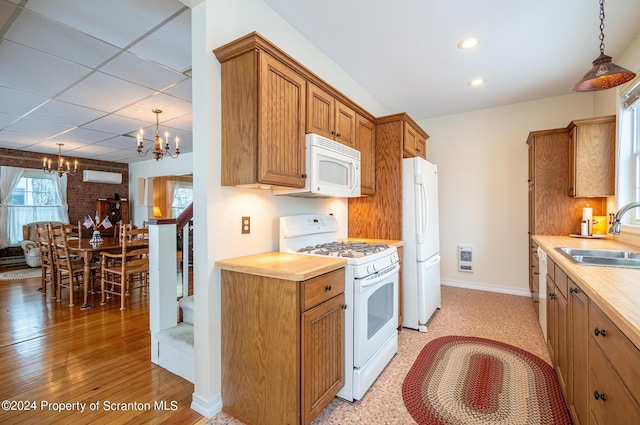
x,y
561,340
365,142
593,158
281,149
320,112
578,380
322,356
410,141
551,319
345,124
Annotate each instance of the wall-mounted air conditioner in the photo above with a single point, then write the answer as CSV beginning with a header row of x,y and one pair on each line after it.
x,y
90,176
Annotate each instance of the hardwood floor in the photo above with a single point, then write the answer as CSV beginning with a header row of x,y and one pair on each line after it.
x,y
55,356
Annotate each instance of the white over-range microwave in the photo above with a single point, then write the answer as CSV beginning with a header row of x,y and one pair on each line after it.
x,y
333,170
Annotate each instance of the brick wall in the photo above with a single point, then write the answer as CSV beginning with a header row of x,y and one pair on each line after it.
x,y
81,197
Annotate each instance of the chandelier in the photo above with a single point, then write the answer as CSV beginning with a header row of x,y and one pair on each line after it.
x,y
604,74
158,150
46,164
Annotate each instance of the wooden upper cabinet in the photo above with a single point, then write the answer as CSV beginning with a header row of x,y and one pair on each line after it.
x,y
592,146
281,150
365,142
415,141
263,116
330,117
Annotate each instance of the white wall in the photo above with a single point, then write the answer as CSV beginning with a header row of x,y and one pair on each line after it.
x,y
218,210
483,190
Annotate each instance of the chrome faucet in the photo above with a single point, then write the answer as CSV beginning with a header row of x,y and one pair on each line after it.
x,y
615,226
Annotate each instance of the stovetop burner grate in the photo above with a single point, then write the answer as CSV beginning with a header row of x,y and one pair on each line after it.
x,y
344,249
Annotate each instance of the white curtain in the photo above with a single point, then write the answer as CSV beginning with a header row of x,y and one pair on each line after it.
x,y
61,185
9,177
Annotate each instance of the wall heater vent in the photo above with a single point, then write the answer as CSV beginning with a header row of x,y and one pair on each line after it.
x,y
465,258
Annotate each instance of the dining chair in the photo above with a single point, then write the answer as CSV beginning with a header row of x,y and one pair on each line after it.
x,y
130,264
48,276
69,268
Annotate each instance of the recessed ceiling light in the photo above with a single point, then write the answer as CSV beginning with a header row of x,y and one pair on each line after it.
x,y
476,82
468,43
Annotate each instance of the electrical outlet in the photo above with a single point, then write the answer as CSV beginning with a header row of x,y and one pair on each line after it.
x,y
246,225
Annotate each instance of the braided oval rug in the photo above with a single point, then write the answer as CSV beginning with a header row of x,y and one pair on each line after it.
x,y
466,380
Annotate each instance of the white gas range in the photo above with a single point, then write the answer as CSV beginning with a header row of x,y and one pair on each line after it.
x,y
371,295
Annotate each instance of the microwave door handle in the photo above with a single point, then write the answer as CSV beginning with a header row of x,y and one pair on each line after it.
x,y
354,175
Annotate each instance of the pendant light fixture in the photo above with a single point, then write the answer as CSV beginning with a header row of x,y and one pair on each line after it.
x,y
48,168
604,74
160,147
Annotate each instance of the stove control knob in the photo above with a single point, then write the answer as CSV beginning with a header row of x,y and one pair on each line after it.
x,y
395,258
371,268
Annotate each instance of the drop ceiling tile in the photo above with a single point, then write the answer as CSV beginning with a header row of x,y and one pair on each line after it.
x,y
181,90
51,75
7,119
49,147
169,44
114,93
183,123
118,22
59,40
82,135
144,72
115,124
38,130
170,106
94,150
121,142
18,102
65,113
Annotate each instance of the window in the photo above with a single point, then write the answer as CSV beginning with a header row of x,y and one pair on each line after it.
x,y
182,198
34,198
629,153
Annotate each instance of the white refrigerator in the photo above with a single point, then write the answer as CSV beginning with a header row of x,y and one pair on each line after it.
x,y
421,264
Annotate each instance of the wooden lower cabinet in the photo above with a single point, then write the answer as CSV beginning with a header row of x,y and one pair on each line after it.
x,y
597,366
557,322
577,381
282,346
614,372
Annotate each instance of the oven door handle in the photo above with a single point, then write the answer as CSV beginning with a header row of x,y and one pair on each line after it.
x,y
366,282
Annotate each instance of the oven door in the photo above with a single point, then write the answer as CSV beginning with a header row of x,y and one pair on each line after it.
x,y
375,301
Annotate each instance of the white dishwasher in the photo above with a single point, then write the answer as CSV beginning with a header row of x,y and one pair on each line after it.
x,y
542,291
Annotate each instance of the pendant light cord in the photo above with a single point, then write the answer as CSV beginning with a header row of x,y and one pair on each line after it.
x,y
602,26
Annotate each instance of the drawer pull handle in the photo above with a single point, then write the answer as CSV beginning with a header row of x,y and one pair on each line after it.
x,y
573,290
344,306
599,396
597,332
327,288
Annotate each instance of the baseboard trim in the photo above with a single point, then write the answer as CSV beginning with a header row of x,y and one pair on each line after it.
x,y
207,408
479,286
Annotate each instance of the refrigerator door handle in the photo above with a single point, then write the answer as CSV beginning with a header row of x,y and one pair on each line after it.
x,y
422,213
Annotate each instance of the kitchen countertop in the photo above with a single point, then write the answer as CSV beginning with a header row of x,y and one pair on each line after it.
x,y
615,290
389,242
282,265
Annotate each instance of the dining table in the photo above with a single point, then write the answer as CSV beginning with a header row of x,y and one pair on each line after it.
x,y
87,250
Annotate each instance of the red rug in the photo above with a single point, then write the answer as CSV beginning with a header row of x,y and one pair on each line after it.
x,y
464,380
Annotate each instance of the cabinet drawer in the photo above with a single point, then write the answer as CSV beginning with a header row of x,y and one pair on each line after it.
x,y
551,266
321,288
561,280
617,407
621,353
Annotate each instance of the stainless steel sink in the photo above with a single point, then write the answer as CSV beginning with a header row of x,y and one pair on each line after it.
x,y
602,257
